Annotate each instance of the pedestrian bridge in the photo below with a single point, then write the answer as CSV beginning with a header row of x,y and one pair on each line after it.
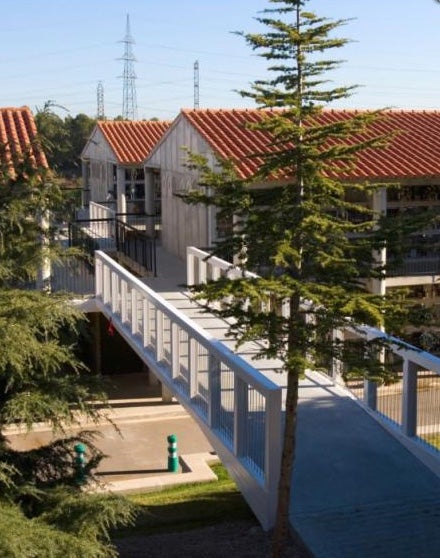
x,y
350,468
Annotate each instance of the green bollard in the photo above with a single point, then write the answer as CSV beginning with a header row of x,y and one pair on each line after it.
x,y
79,464
173,461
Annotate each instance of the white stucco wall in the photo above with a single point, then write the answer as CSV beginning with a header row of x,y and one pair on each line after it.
x,y
182,224
101,159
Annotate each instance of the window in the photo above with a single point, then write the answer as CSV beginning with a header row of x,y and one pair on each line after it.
x,y
134,184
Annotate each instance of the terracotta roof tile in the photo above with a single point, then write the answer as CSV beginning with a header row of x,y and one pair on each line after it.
x,y
18,135
414,150
132,141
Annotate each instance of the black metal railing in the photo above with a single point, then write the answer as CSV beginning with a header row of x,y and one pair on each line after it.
x,y
428,265
132,245
76,274
92,234
150,224
136,241
137,245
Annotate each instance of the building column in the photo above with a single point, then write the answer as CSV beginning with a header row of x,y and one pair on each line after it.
x,y
45,269
121,198
378,286
95,319
167,396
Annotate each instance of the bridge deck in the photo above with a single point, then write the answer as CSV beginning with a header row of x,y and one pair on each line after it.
x,y
356,490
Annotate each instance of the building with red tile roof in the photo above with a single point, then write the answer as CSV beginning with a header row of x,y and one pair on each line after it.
x,y
413,151
132,141
113,162
411,159
18,138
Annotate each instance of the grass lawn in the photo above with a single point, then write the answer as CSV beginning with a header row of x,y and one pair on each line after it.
x,y
188,506
433,439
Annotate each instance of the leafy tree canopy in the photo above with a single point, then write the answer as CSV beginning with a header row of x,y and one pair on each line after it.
x,y
63,138
42,510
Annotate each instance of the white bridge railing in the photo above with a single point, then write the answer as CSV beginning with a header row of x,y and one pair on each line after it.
x,y
236,406
411,403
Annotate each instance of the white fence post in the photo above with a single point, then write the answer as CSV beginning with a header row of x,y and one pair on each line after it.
x,y
409,398
203,266
98,277
146,327
193,367
214,391
241,409
175,350
337,366
134,308
106,285
190,260
114,289
159,335
370,394
124,297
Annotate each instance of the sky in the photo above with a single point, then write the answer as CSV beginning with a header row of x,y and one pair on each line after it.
x,y
58,51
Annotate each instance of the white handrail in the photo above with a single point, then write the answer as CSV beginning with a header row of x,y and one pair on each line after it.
x,y
237,406
201,266
403,349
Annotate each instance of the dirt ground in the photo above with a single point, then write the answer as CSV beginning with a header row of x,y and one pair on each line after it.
x,y
226,540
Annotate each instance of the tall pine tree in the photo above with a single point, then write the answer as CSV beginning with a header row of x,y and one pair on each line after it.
x,y
310,258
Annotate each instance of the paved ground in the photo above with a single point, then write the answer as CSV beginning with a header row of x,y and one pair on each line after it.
x,y
138,451
357,491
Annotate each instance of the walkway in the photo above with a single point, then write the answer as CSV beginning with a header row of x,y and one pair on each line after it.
x,y
357,492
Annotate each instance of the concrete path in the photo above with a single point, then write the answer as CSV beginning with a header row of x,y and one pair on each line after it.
x,y
357,492
137,451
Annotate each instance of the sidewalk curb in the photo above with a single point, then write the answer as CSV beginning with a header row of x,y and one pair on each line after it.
x,y
195,468
107,418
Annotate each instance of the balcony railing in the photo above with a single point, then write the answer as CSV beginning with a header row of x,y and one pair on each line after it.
x,y
416,266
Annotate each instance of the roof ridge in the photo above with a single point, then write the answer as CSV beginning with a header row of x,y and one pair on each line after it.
x,y
413,152
132,122
214,110
22,108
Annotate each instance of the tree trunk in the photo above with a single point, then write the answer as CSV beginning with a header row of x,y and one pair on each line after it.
x,y
281,529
